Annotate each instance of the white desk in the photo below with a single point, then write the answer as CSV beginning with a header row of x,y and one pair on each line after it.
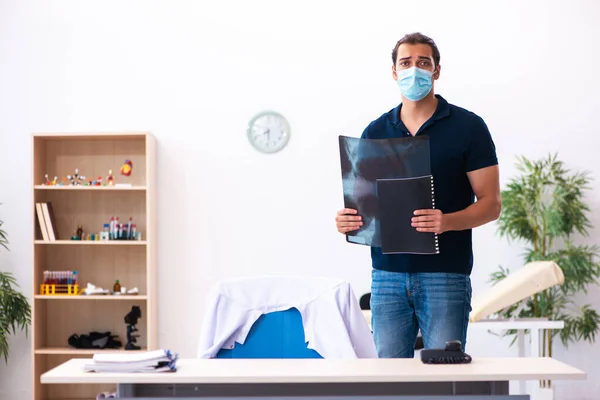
x,y
317,378
535,326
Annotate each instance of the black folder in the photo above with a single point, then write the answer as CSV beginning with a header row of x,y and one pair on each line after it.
x,y
398,198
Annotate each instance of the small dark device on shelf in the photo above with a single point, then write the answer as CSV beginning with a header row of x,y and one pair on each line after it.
x,y
452,354
131,319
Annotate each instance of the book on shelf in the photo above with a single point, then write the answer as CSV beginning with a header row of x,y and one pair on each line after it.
x,y
46,222
149,361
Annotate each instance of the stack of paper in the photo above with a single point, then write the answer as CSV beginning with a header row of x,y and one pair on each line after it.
x,y
149,361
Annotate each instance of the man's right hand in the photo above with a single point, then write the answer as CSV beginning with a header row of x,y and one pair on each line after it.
x,y
347,220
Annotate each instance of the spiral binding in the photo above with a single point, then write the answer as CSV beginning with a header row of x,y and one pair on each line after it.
x,y
435,235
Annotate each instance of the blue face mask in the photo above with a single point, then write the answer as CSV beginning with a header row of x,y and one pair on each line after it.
x,y
414,83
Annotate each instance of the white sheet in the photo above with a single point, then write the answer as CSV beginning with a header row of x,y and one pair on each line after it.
x,y
333,322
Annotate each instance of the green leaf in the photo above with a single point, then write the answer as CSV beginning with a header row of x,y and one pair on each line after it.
x,y
15,311
583,326
579,265
3,237
498,275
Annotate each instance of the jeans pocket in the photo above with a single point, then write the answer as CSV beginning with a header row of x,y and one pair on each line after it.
x,y
445,287
386,287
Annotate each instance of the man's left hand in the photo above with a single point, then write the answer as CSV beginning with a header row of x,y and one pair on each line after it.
x,y
429,220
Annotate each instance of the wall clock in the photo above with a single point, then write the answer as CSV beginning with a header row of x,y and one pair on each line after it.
x,y
268,132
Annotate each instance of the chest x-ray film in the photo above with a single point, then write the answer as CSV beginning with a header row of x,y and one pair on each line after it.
x,y
363,162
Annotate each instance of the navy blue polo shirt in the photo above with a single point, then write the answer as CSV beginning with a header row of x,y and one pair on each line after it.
x,y
459,142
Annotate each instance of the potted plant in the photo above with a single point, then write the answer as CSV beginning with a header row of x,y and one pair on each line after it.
x,y
15,312
544,209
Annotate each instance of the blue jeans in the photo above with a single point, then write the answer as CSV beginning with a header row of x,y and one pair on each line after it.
x,y
402,303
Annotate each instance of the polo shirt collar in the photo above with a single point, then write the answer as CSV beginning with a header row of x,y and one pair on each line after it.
x,y
442,111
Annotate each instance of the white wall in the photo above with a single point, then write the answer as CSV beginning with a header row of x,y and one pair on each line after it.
x,y
194,72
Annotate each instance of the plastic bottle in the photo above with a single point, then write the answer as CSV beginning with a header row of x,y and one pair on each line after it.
x,y
128,233
117,287
111,229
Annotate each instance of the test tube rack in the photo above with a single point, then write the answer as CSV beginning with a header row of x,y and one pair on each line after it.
x,y
59,289
60,283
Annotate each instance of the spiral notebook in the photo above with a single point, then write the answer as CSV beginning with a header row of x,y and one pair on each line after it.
x,y
398,198
363,161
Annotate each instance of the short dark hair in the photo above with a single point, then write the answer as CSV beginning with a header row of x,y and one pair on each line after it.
x,y
417,38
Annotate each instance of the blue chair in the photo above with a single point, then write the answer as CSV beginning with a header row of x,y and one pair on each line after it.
x,y
277,334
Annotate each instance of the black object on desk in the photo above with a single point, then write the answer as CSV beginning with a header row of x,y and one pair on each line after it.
x,y
451,354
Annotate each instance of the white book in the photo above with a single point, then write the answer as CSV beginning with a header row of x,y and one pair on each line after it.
x,y
48,220
93,368
122,368
133,357
149,361
42,221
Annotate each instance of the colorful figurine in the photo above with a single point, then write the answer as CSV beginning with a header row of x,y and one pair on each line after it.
x,y
76,179
54,181
126,168
110,179
47,181
98,181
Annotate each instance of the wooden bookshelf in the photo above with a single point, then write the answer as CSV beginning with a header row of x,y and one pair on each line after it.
x,y
133,262
71,351
109,188
93,298
91,243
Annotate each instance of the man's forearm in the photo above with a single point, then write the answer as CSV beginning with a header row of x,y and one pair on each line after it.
x,y
479,213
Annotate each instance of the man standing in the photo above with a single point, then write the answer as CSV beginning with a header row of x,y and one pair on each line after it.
x,y
431,292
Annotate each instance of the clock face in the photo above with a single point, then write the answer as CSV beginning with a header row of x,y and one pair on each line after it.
x,y
268,132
